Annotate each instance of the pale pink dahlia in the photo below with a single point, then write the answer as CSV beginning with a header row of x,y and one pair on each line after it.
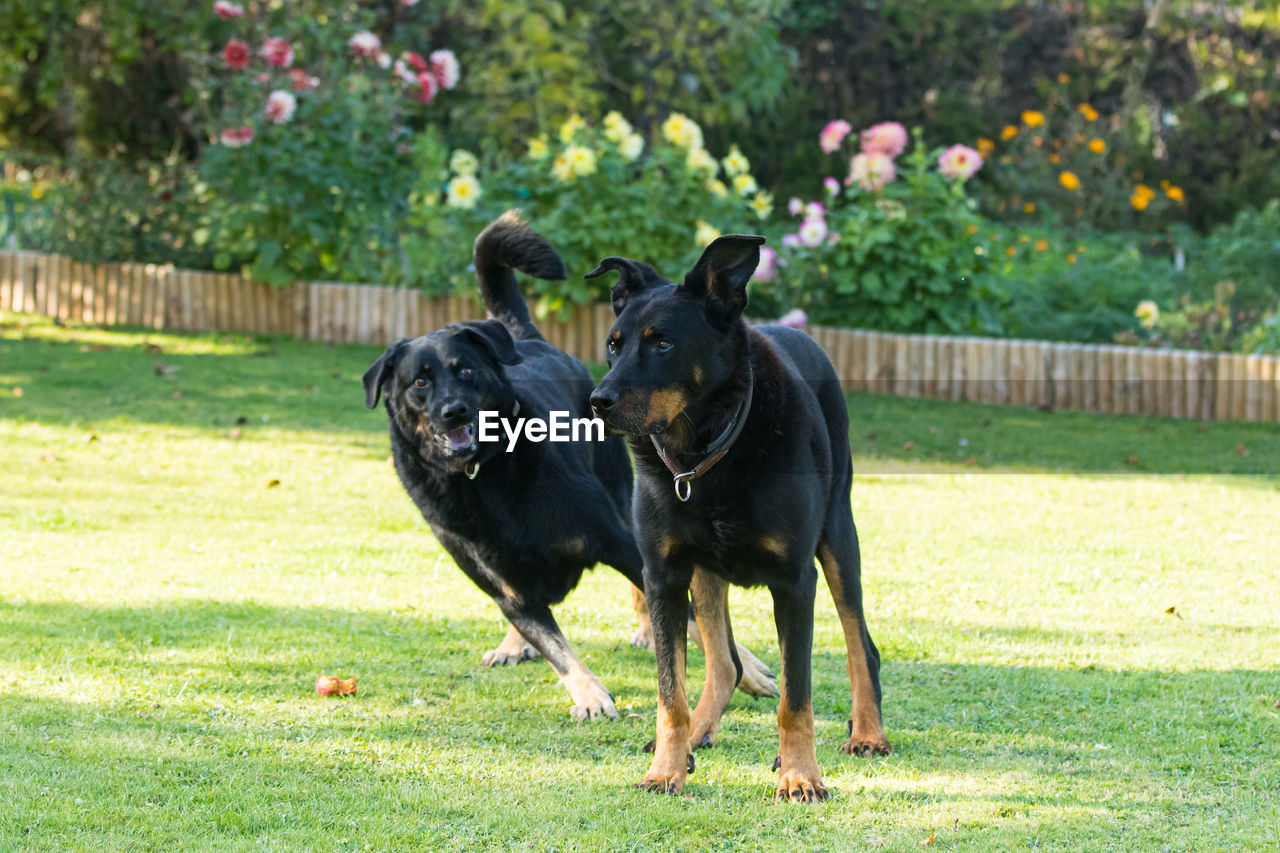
x,y
280,106
429,87
226,11
872,170
303,82
813,232
277,52
445,66
833,134
795,206
795,319
235,137
365,44
767,269
832,186
885,138
959,161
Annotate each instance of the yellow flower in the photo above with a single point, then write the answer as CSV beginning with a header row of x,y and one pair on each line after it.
x,y
735,163
1064,77
1144,191
1041,245
1029,207
1097,146
1071,259
37,192
717,188
463,191
1148,313
1175,193
582,161
762,204
616,128
1009,132
1069,180
1139,201
681,130
1032,118
1024,239
706,233
561,169
1164,184
463,162
631,146
538,148
698,160
1089,113
744,184
1011,252
985,147
570,128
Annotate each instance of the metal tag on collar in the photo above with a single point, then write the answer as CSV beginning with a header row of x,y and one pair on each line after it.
x,y
471,469
684,485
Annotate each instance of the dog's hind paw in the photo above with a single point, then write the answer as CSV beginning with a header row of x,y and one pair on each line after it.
x,y
757,679
590,700
866,743
512,650
643,637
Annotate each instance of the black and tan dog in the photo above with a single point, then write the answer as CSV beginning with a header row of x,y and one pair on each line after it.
x,y
523,525
741,441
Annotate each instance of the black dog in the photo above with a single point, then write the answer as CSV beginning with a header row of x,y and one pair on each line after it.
x,y
523,525
741,442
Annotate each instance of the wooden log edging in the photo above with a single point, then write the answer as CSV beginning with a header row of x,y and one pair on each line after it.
x,y
1087,377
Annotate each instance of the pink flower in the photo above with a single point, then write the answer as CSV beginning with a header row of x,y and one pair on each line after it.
x,y
408,2
365,44
832,186
959,161
236,54
795,207
416,62
833,134
885,138
833,238
815,210
301,81
427,93
791,240
264,77
277,52
280,106
795,318
226,11
235,137
445,66
813,232
872,170
767,269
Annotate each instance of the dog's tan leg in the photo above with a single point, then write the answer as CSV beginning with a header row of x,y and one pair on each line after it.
x,y
711,609
799,779
866,729
513,649
672,761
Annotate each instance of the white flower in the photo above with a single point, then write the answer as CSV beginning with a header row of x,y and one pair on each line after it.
x,y
463,162
365,43
280,106
631,146
813,232
706,233
444,65
463,191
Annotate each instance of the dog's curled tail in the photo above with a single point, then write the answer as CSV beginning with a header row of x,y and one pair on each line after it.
x,y
505,245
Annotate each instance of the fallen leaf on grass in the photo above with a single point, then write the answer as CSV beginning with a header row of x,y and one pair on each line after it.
x,y
154,349
1131,459
908,445
929,840
1241,450
1173,611
332,685
272,483
163,369
970,460
17,392
235,433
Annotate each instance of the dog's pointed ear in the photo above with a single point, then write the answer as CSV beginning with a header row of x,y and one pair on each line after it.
x,y
493,336
380,371
631,278
720,276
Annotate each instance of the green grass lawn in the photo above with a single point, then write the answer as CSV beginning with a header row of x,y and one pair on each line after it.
x,y
1079,618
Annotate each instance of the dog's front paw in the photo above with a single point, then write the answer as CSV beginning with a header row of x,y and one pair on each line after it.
x,y
590,700
512,650
757,679
867,742
800,785
666,776
643,637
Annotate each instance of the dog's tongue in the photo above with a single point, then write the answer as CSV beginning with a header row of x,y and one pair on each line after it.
x,y
460,438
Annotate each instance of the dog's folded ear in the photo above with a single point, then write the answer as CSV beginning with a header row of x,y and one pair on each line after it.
x,y
720,276
632,276
492,336
380,370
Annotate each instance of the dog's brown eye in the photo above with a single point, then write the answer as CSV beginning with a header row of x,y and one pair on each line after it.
x,y
465,373
663,345
612,346
419,383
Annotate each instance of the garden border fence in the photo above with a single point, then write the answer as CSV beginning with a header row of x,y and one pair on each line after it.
x,y
1088,377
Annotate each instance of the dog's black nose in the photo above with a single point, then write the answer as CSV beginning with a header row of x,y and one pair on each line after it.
x,y
454,410
603,401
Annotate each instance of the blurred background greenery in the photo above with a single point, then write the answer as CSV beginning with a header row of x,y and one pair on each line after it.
x,y
1130,150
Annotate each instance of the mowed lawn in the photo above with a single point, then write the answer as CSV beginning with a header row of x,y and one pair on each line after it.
x,y
1079,618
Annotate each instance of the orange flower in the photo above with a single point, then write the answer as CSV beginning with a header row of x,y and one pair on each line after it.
x,y
1139,202
1144,191
1011,252
1175,193
1029,207
985,147
1097,146
1054,158
1037,141
1009,132
972,229
1164,184
1069,180
1089,113
1032,118
1071,259
1041,245
1064,77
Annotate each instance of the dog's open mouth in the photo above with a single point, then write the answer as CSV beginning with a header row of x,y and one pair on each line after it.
x,y
459,440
